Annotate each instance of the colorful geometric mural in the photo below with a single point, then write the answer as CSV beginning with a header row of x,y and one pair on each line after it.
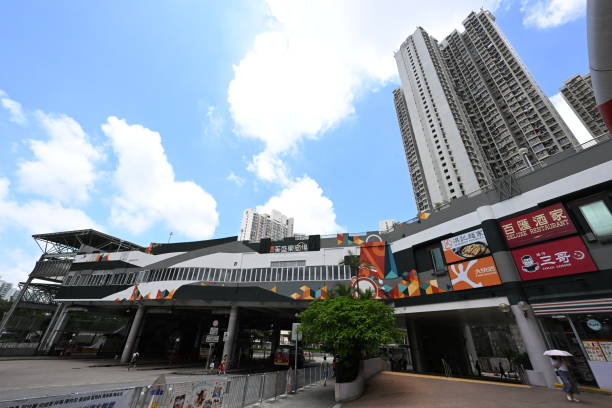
x,y
345,239
414,287
164,294
309,294
377,261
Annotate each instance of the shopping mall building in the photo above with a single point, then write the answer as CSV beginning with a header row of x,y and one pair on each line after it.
x,y
495,278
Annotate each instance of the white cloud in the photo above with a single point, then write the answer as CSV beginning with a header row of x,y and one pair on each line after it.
x,y
63,166
37,216
570,118
14,108
148,191
551,13
269,167
303,199
213,123
235,179
302,75
16,265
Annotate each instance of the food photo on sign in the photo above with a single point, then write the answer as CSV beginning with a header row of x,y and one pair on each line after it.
x,y
470,245
556,258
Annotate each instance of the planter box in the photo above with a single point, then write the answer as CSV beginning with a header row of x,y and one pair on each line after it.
x,y
367,369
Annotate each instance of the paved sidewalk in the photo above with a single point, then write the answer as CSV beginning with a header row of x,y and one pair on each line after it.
x,y
390,389
312,397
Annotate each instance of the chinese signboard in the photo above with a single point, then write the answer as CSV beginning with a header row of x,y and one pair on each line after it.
x,y
539,225
465,246
299,247
476,273
562,257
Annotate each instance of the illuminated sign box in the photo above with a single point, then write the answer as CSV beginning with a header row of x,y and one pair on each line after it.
x,y
557,258
539,225
477,273
470,245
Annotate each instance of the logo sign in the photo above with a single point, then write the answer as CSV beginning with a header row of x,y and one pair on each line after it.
x,y
214,330
299,247
476,273
557,258
470,245
539,225
594,325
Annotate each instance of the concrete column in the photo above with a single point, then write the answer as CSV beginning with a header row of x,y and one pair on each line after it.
x,y
415,346
228,346
275,341
535,345
134,329
59,328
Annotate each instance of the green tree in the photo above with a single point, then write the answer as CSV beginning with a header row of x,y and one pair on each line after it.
x,y
348,327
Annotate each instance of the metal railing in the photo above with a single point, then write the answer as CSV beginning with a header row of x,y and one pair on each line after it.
x,y
257,388
226,392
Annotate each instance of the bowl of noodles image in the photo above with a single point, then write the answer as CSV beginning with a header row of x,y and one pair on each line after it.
x,y
473,250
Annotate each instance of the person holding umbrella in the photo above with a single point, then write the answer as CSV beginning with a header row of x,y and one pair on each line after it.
x,y
559,362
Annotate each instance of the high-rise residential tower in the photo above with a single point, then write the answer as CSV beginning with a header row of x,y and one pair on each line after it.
x,y
256,226
474,112
578,93
6,289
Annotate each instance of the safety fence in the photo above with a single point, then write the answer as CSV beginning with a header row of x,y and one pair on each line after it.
x,y
210,392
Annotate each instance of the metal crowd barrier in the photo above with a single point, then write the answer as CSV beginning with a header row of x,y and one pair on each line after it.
x,y
224,392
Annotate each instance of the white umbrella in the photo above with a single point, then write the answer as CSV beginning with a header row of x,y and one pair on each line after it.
x,y
559,353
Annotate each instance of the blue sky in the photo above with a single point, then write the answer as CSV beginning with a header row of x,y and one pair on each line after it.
x,y
141,118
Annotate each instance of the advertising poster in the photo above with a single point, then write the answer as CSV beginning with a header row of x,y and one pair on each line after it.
x,y
107,399
470,245
557,258
539,225
476,273
203,394
606,348
207,394
594,352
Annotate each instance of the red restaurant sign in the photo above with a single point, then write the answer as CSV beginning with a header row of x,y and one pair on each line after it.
x,y
539,225
557,258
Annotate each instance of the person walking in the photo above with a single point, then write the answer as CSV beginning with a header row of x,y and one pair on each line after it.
x,y
502,372
133,360
562,370
223,365
324,370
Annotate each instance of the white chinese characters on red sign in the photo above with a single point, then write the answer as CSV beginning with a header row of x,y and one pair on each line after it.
x,y
538,225
562,257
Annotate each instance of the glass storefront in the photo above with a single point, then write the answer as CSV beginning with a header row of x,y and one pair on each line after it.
x,y
588,336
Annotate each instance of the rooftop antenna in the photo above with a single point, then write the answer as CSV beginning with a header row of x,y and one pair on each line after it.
x,y
170,236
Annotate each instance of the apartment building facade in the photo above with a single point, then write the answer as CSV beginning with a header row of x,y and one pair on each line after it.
x,y
578,93
475,113
255,226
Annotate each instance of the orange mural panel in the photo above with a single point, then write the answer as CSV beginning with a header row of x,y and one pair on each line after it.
x,y
372,260
476,273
